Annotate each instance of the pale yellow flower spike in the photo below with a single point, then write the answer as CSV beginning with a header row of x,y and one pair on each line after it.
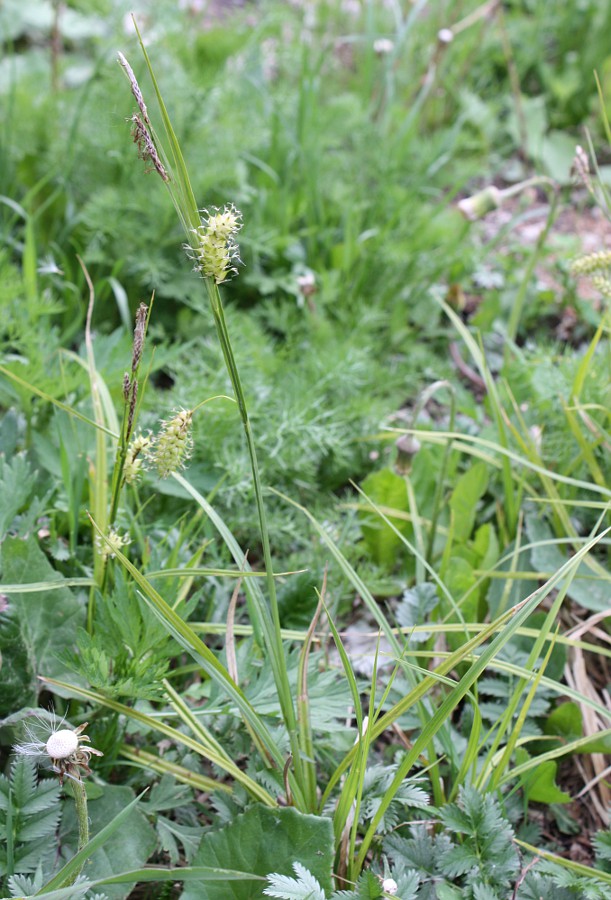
x,y
215,249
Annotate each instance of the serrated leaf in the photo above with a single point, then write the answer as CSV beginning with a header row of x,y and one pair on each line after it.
x,y
368,887
416,606
47,792
23,781
166,794
172,833
43,825
484,892
456,819
602,844
458,861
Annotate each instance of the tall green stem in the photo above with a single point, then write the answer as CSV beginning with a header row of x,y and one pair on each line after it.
x,y
272,636
80,802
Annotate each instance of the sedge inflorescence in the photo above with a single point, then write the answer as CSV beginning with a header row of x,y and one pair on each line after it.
x,y
114,543
597,266
137,452
173,445
214,249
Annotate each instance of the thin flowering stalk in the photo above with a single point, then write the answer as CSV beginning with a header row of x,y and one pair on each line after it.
x,y
211,246
131,392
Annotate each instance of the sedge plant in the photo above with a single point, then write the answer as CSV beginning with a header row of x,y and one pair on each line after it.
x,y
211,245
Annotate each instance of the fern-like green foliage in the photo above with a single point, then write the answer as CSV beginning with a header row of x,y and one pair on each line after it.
x,y
409,795
128,654
179,830
29,817
474,857
306,887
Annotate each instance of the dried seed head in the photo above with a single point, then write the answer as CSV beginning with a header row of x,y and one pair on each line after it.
x,y
307,284
135,88
173,444
139,334
214,249
146,148
581,168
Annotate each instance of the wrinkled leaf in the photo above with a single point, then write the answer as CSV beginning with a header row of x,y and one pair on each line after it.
x,y
262,841
34,627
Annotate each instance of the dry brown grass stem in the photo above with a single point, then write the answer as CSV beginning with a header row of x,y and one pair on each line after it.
x,y
593,767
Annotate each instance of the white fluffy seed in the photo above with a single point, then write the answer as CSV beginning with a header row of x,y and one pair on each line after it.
x,y
62,743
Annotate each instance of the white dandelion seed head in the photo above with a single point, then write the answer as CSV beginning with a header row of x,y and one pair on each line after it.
x,y
59,748
38,730
62,743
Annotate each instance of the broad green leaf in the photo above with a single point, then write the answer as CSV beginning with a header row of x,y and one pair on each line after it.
x,y
34,627
469,489
387,490
459,579
262,841
486,546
